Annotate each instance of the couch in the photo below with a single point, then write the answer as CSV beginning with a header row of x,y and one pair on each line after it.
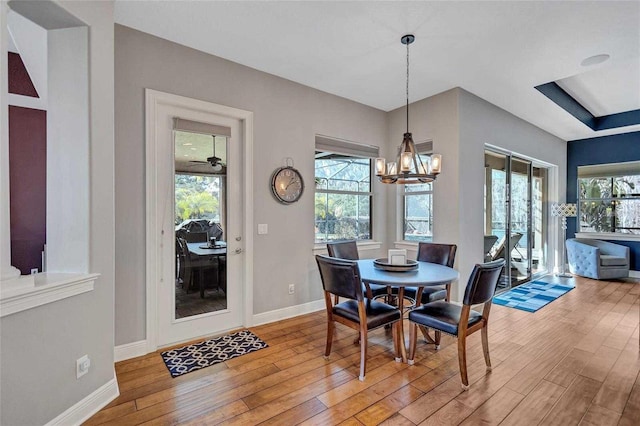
x,y
597,259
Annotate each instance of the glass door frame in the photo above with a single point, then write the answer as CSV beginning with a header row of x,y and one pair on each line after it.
x,y
509,159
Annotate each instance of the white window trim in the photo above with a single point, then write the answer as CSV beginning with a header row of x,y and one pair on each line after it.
x,y
363,245
47,288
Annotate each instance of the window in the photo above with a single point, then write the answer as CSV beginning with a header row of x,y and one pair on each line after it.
x,y
418,208
343,197
610,204
197,197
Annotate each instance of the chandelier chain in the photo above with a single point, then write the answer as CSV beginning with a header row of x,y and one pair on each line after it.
x,y
408,87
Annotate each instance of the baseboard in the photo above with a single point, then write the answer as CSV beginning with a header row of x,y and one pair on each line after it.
x,y
88,406
288,312
130,350
634,274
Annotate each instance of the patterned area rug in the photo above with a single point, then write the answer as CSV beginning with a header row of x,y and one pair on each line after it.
x,y
532,296
194,357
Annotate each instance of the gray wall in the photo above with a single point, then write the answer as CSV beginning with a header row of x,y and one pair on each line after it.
x,y
287,116
484,123
40,346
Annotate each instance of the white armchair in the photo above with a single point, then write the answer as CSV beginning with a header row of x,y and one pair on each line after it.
x,y
597,259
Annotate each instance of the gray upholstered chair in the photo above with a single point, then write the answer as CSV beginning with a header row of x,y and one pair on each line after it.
x,y
597,259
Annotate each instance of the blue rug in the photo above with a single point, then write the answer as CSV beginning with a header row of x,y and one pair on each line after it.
x,y
532,296
200,355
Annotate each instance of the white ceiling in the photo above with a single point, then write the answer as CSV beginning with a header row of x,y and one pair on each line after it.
x,y
497,50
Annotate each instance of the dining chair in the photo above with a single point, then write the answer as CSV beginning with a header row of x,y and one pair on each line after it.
x,y
442,254
348,250
342,278
460,321
185,266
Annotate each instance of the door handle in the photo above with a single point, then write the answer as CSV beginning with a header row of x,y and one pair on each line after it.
x,y
238,250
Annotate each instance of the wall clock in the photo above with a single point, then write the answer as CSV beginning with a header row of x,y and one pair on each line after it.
x,y
287,184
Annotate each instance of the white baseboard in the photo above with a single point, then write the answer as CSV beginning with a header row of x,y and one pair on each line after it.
x,y
88,406
634,274
288,312
130,350
139,348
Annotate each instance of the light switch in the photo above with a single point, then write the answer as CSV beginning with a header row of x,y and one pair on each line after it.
x,y
263,229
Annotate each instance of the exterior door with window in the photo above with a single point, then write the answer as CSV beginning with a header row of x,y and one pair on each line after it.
x,y
199,223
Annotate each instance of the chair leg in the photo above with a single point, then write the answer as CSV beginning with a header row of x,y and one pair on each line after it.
x,y
485,347
330,327
436,340
363,351
425,333
462,360
189,279
413,338
396,341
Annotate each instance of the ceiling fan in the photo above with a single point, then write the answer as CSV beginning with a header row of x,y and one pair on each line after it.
x,y
216,162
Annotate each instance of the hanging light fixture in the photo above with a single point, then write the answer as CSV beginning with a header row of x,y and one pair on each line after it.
x,y
408,168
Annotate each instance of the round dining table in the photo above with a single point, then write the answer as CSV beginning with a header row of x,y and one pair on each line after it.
x,y
426,275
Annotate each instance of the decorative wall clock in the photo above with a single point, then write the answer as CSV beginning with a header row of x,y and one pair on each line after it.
x,y
287,184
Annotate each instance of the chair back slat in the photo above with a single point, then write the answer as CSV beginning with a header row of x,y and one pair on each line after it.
x,y
343,250
184,251
483,282
196,237
442,254
340,277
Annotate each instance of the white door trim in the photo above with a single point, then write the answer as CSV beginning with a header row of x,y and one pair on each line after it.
x,y
152,99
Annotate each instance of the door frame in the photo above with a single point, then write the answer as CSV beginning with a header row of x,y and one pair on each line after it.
x,y
153,255
552,191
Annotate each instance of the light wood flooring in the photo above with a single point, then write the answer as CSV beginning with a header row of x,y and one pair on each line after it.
x,y
575,361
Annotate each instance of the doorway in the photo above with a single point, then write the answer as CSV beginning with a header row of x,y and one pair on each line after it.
x,y
197,217
515,193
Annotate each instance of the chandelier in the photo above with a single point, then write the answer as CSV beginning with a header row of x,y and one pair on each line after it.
x,y
408,167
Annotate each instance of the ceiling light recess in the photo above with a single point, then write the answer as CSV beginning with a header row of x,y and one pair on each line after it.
x,y
595,60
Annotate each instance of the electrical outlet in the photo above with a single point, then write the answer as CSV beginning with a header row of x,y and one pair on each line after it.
x,y
292,288
82,366
34,271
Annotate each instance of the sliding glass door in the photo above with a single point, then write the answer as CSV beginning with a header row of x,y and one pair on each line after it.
x,y
515,191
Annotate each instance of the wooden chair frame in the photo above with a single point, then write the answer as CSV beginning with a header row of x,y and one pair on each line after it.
x,y
361,325
361,328
464,330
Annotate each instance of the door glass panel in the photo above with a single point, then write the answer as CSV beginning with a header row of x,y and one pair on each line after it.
x,y
539,220
200,224
518,248
495,212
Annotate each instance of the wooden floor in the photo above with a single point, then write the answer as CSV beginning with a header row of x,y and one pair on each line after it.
x,y
575,361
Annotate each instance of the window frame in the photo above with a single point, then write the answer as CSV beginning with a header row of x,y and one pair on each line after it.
x,y
403,194
328,192
610,200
